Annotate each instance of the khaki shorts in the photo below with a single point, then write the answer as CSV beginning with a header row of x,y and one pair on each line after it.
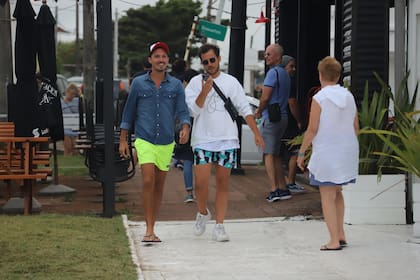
x,y
159,155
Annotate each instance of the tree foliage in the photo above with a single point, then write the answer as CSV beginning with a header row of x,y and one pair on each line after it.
x,y
66,52
167,21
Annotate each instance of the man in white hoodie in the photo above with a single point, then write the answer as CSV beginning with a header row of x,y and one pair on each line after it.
x,y
214,137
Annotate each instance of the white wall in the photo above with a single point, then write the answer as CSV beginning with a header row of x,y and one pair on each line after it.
x,y
413,45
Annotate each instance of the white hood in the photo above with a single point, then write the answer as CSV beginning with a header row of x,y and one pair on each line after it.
x,y
337,96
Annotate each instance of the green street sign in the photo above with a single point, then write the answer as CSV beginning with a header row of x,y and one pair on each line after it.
x,y
212,30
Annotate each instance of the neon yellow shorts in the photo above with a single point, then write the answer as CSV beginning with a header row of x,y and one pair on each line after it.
x,y
159,155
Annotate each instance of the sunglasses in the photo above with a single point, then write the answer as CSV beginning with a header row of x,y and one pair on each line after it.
x,y
211,60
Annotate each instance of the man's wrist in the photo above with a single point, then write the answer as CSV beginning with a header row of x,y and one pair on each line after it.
x,y
301,154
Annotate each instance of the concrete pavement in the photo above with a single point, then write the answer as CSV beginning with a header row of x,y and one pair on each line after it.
x,y
274,248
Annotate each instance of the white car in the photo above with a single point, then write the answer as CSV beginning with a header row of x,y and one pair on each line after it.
x,y
250,153
77,80
62,84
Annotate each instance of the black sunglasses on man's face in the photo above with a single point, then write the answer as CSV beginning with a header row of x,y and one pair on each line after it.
x,y
212,60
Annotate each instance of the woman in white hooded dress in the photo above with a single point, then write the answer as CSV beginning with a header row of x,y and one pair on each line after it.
x,y
332,131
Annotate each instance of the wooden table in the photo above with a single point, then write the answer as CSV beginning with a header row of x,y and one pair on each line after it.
x,y
17,164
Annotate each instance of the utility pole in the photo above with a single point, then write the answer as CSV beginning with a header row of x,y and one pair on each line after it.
x,y
6,69
209,5
190,40
219,12
208,16
77,52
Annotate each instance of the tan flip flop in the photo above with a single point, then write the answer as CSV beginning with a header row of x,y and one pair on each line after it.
x,y
151,238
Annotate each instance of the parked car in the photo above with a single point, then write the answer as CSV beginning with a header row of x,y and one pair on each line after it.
x,y
250,153
77,80
62,84
118,84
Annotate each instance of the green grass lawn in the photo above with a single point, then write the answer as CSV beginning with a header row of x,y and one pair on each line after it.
x,y
71,165
64,247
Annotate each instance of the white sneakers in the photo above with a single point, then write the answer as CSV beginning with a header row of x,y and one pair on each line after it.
x,y
219,233
200,222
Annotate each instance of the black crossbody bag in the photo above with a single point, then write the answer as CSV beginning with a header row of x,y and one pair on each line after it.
x,y
274,111
228,103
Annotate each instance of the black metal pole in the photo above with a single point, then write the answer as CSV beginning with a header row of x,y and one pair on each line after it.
x,y
237,56
267,29
107,62
99,85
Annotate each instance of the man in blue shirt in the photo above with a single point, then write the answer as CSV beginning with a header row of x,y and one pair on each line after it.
x,y
155,100
276,91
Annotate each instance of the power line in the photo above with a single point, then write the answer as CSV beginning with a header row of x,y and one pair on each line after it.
x,y
229,13
131,3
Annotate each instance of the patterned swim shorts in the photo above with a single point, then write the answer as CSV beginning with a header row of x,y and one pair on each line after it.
x,y
226,158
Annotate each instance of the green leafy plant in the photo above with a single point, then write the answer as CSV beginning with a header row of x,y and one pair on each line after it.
x,y
373,114
400,139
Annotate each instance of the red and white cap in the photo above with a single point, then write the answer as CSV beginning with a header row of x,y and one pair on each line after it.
x,y
159,45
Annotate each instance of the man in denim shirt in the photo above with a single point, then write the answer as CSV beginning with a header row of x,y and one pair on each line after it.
x,y
155,100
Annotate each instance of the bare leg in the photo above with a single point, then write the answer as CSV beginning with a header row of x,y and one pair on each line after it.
x,y
202,177
68,148
160,177
280,179
291,176
339,205
149,177
222,183
270,168
328,201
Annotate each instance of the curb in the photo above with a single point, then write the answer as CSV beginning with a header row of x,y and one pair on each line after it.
x,y
134,255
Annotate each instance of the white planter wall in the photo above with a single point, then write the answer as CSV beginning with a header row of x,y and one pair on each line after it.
x,y
372,202
416,207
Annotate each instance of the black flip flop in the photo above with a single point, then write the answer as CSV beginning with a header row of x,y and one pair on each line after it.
x,y
343,243
325,248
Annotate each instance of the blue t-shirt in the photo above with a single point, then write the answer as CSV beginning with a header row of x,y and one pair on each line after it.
x,y
71,107
278,79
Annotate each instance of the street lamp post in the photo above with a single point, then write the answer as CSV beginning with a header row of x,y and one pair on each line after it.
x,y
267,21
105,72
237,56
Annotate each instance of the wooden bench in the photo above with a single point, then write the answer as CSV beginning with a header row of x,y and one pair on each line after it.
x,y
39,157
21,160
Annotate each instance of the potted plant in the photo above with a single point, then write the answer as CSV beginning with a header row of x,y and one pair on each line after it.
x,y
387,153
403,143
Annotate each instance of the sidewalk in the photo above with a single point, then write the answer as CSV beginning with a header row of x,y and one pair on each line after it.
x,y
275,248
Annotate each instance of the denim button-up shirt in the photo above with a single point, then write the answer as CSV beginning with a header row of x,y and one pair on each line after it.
x,y
154,110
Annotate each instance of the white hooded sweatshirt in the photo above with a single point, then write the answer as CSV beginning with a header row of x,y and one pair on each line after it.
x,y
335,149
212,123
